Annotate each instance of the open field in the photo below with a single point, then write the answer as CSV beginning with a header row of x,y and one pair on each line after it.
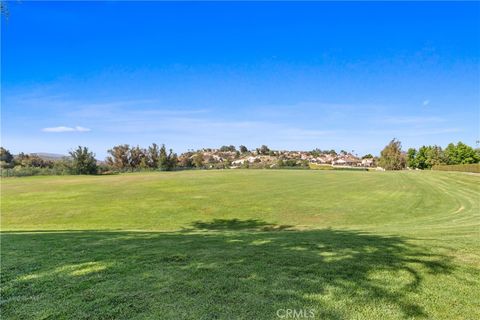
x,y
241,244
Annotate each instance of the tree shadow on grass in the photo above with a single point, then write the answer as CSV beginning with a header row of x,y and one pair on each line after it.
x,y
236,225
213,275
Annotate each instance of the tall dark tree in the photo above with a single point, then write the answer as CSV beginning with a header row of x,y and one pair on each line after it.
x,y
83,161
119,157
391,157
172,160
264,150
6,158
5,155
167,161
137,157
153,156
243,149
163,158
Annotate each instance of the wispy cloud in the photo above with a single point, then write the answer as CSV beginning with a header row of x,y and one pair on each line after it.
x,y
426,102
66,129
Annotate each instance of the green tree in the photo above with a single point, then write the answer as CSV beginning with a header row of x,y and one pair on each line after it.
x,y
32,160
263,150
466,154
198,160
137,157
280,163
391,157
163,158
451,156
411,158
460,154
153,155
83,161
434,156
6,158
172,160
119,157
228,148
316,152
421,157
243,149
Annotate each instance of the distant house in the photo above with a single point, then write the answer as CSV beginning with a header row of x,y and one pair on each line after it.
x,y
238,162
346,161
368,162
318,160
351,161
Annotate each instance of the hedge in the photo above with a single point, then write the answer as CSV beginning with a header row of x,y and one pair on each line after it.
x,y
474,167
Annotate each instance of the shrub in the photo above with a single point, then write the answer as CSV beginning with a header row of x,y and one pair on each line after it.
x,y
474,167
315,166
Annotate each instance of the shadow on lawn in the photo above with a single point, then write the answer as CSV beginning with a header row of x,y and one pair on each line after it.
x,y
238,275
236,225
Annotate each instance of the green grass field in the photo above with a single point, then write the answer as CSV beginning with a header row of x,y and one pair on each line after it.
x,y
241,244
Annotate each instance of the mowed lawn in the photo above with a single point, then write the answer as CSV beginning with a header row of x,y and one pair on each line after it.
x,y
241,244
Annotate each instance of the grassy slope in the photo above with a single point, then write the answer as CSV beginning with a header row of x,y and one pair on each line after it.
x,y
242,244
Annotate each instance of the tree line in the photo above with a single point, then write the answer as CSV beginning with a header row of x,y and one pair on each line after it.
x,y
428,156
124,157
393,158
80,161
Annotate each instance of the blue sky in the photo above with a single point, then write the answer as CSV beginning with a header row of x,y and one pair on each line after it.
x,y
290,75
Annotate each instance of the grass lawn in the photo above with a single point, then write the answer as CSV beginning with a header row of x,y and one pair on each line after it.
x,y
241,244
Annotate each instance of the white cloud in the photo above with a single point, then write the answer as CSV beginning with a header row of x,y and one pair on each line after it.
x,y
426,102
66,129
81,129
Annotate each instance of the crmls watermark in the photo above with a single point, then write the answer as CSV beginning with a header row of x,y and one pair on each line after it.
x,y
296,313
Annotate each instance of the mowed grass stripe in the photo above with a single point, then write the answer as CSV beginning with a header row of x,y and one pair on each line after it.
x,y
169,201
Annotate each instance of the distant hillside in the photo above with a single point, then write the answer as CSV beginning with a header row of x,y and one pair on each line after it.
x,y
50,156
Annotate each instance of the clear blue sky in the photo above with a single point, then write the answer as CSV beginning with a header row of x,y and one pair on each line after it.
x,y
290,75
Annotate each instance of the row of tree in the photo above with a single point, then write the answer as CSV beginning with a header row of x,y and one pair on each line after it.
x,y
24,160
393,158
124,157
428,156
81,161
